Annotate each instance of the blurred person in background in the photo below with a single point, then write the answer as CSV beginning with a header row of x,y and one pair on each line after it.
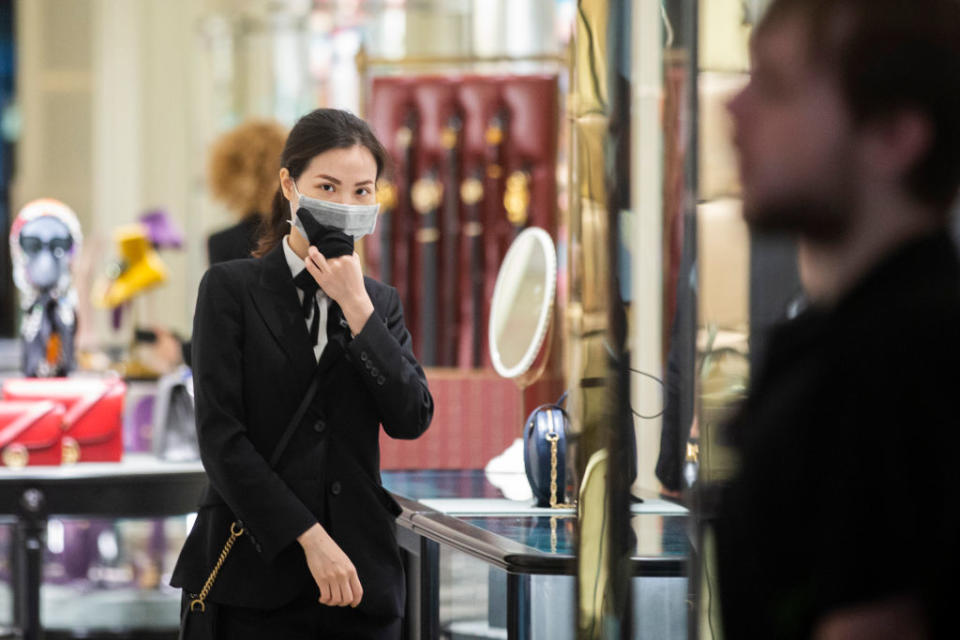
x,y
242,173
843,519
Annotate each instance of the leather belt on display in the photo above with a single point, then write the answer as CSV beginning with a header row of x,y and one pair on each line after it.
x,y
495,137
393,231
471,193
387,198
426,194
448,248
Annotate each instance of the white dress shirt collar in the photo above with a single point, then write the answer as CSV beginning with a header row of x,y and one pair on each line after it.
x,y
294,261
297,265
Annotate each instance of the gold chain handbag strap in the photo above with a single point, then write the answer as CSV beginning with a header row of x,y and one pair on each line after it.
x,y
553,438
198,604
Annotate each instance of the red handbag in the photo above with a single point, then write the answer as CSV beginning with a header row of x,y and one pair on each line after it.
x,y
30,433
93,422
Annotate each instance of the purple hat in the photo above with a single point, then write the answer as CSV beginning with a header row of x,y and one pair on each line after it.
x,y
162,231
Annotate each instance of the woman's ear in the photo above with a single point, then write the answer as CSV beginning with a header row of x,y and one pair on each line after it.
x,y
286,184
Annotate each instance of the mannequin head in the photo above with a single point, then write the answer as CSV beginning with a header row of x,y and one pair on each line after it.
x,y
44,238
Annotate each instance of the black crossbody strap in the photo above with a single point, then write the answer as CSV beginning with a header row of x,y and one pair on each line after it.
x,y
295,421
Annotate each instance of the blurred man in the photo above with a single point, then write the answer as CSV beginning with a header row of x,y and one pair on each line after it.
x,y
842,521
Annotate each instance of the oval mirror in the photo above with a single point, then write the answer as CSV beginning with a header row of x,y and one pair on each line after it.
x,y
521,311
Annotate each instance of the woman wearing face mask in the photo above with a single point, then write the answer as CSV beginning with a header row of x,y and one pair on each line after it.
x,y
298,360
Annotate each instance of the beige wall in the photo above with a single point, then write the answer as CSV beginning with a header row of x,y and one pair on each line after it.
x,y
55,85
108,93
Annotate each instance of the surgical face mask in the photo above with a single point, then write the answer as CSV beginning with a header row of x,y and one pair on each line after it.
x,y
331,223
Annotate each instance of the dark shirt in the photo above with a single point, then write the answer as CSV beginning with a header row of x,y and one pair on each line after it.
x,y
234,243
847,489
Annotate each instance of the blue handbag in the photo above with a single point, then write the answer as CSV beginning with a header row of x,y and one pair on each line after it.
x,y
545,440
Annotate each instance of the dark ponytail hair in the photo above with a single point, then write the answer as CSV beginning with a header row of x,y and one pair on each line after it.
x,y
315,133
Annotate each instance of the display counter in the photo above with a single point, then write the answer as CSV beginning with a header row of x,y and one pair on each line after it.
x,y
458,530
478,565
139,486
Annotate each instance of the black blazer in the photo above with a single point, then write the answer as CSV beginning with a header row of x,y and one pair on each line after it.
x,y
234,243
252,364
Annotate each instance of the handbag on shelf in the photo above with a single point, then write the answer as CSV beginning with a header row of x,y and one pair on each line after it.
x,y
30,433
174,418
198,617
545,448
93,422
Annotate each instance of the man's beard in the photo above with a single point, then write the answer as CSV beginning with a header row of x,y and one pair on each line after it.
x,y
820,208
824,217
818,221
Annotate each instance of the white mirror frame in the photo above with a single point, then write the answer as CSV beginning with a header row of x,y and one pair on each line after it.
x,y
545,243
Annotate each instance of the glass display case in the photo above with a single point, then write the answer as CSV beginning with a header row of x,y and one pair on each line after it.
x,y
483,566
89,548
105,577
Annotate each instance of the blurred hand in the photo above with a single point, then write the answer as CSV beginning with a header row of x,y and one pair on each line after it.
x,y
161,356
670,493
168,348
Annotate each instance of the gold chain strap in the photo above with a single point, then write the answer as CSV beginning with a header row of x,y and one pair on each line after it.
x,y
197,604
553,438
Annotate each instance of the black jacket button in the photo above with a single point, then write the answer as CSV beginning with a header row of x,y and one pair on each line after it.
x,y
320,426
381,380
374,372
363,356
335,488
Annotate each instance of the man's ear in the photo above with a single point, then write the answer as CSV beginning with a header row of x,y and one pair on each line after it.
x,y
896,143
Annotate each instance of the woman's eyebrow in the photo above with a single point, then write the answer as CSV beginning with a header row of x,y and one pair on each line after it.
x,y
327,177
363,182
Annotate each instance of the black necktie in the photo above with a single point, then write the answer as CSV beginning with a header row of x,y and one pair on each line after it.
x,y
309,287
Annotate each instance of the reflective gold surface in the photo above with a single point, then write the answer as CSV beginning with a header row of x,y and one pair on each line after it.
x,y
592,593
724,323
587,313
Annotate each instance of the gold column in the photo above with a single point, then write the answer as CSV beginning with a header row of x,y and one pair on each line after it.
x,y
587,316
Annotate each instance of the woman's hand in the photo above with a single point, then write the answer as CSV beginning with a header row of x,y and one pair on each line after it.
x,y
342,280
331,568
